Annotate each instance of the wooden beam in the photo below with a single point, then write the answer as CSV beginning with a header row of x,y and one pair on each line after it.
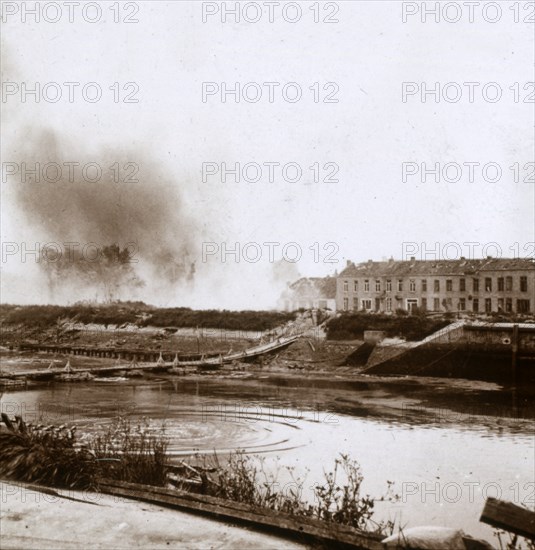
x,y
510,517
297,527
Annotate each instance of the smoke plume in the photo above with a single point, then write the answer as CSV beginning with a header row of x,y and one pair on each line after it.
x,y
134,205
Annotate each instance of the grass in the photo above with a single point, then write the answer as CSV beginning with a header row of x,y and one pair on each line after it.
x,y
131,452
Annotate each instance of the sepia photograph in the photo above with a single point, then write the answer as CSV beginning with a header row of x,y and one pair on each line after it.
x,y
267,275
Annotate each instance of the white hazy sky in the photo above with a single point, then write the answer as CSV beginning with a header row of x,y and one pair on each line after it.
x,y
369,133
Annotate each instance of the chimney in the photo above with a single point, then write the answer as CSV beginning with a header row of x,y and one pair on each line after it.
x,y
348,263
413,258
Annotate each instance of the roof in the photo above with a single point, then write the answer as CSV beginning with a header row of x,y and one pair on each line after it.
x,y
407,268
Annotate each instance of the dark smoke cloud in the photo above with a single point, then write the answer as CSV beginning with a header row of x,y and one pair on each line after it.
x,y
149,214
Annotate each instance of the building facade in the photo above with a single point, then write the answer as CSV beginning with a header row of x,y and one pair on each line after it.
x,y
471,286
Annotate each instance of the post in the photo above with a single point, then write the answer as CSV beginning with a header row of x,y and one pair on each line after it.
x,y
514,352
510,517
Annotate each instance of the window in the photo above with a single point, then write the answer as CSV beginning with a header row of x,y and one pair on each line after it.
x,y
462,304
377,285
346,304
346,286
356,286
436,304
436,286
501,285
462,285
449,285
475,305
389,285
508,284
389,304
355,303
500,304
488,305
509,305
412,285
449,303
424,303
366,304
523,284
488,284
400,285
475,285
424,285
522,306
366,285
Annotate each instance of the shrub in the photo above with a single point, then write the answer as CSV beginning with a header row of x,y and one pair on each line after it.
x,y
351,326
131,312
221,319
244,479
45,455
53,456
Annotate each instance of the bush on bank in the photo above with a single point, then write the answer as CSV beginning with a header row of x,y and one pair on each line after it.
x,y
55,456
351,326
338,498
46,455
143,315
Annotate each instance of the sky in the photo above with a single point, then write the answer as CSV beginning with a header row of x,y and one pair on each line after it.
x,y
352,131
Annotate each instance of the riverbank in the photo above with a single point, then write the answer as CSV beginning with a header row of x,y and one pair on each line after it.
x,y
386,345
39,519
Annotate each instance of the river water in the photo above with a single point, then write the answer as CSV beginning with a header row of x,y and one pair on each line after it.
x,y
446,444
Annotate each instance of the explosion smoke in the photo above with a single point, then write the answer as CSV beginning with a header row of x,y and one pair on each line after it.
x,y
146,217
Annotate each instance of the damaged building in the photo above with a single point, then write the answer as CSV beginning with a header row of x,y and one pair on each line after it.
x,y
310,293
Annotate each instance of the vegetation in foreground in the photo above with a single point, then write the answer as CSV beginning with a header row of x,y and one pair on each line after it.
x,y
46,455
338,499
55,456
138,454
510,541
140,314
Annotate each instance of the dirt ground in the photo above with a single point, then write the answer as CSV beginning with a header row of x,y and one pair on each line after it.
x,y
32,519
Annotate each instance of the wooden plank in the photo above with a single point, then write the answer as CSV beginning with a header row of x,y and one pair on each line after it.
x,y
510,517
243,513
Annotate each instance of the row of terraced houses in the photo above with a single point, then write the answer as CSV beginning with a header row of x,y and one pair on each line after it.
x,y
478,286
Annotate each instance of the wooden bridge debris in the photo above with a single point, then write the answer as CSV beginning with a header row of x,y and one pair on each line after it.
x,y
335,535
